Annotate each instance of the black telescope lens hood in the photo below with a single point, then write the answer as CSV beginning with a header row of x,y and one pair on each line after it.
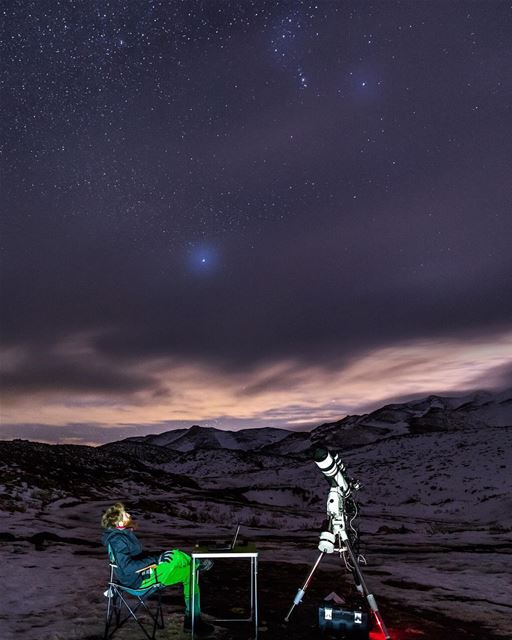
x,y
320,453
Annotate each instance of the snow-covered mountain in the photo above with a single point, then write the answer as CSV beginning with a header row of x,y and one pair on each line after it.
x,y
260,457
434,413
197,437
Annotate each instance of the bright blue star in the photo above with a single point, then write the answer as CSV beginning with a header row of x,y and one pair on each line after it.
x,y
202,259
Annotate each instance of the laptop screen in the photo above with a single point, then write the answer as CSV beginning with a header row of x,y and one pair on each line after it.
x,y
233,543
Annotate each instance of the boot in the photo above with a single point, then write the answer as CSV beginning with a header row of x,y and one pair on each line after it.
x,y
201,628
205,564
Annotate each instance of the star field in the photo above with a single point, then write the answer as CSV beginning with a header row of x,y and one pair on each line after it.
x,y
231,186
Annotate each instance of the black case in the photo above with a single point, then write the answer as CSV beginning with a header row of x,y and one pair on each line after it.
x,y
346,623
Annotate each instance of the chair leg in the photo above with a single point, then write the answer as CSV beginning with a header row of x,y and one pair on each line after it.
x,y
107,622
131,613
117,608
115,620
112,611
161,612
159,616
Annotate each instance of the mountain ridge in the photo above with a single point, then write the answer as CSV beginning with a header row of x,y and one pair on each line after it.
x,y
423,415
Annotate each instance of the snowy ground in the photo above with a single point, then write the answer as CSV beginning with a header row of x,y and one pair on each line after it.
x,y
55,587
436,532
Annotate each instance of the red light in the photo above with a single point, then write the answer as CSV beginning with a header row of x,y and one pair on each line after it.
x,y
398,634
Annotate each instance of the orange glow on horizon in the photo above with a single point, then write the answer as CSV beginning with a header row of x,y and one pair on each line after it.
x,y
286,393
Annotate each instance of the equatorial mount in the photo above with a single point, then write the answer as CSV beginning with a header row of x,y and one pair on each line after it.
x,y
340,535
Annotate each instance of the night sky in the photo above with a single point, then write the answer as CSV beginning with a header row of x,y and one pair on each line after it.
x,y
250,213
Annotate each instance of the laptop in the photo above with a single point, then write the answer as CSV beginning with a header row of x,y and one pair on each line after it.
x,y
231,546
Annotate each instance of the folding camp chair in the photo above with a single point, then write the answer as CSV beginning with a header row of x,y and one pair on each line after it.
x,y
124,602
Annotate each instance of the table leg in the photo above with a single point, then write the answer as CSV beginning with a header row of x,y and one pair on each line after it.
x,y
193,598
255,598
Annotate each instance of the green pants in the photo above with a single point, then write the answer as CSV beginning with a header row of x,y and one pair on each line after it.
x,y
175,572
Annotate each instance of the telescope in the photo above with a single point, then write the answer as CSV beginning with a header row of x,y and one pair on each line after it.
x,y
334,470
340,535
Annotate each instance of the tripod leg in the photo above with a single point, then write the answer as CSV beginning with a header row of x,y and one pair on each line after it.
x,y
362,588
357,582
302,590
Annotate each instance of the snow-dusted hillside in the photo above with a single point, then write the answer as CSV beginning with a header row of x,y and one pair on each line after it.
x,y
434,413
211,438
436,508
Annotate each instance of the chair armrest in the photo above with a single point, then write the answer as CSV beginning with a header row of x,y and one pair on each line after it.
x,y
150,566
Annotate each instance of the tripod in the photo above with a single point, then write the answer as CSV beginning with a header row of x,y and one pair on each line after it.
x,y
336,537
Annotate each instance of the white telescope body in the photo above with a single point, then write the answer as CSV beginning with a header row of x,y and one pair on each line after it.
x,y
336,537
333,469
327,542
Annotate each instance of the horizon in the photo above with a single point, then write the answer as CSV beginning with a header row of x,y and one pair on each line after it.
x,y
83,435
254,214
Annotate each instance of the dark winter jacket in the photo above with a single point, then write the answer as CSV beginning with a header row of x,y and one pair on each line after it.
x,y
128,556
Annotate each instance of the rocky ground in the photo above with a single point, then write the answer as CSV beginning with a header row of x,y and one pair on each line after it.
x,y
62,582
436,523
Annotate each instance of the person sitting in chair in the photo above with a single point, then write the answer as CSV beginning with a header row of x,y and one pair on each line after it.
x,y
138,571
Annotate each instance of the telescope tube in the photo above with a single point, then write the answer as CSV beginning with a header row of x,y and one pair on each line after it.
x,y
332,468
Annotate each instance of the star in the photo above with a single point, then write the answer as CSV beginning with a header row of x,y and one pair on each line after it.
x,y
202,259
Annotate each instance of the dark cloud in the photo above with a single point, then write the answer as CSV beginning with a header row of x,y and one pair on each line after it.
x,y
278,302
40,371
185,200
281,380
